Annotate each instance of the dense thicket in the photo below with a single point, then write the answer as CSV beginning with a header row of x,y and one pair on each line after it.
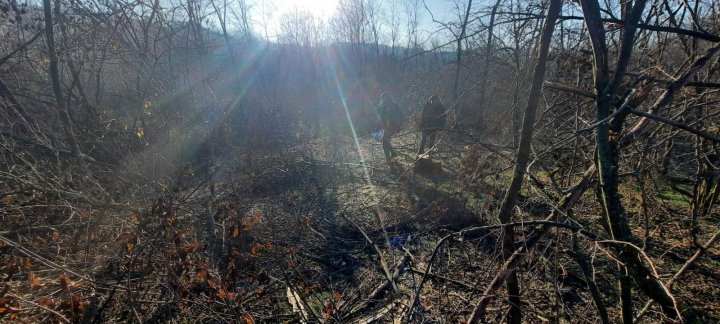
x,y
165,161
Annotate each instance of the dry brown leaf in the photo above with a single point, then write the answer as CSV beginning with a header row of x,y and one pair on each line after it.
x,y
66,282
34,280
26,264
126,238
254,221
248,319
202,275
47,302
192,246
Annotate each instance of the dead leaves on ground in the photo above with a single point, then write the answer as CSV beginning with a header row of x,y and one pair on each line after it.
x,y
127,239
34,280
67,299
9,306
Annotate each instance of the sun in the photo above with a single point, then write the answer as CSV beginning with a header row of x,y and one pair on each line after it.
x,y
322,9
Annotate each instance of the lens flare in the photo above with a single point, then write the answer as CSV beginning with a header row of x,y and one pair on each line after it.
x,y
341,94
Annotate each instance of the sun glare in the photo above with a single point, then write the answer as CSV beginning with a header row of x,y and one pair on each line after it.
x,y
322,9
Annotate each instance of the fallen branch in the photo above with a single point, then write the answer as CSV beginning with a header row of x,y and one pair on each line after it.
x,y
383,312
369,301
8,95
648,280
58,316
34,256
297,303
676,124
426,273
36,229
586,270
20,48
443,278
579,189
699,253
64,193
381,260
569,88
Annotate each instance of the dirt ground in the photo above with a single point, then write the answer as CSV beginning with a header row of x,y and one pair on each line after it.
x,y
313,233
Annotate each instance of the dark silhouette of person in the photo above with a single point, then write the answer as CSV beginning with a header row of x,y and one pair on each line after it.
x,y
431,120
390,122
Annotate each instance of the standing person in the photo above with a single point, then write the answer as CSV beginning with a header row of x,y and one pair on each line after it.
x,y
432,119
390,121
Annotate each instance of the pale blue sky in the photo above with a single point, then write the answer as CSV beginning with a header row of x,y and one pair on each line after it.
x,y
267,13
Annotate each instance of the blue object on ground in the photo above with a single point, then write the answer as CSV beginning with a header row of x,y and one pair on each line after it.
x,y
378,134
396,241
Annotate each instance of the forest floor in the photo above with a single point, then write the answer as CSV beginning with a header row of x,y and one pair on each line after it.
x,y
314,233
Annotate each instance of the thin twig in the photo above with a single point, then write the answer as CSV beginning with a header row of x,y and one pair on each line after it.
x,y
652,267
675,124
699,253
58,316
381,259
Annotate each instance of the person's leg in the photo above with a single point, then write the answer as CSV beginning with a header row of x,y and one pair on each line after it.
x,y
387,149
423,138
391,150
431,140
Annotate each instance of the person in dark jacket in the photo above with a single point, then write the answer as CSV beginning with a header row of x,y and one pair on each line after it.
x,y
390,117
432,119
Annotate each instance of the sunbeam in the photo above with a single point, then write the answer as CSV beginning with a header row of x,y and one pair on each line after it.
x,y
341,94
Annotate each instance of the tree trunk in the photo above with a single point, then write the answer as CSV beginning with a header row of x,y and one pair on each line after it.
x,y
456,82
616,223
606,145
523,157
574,194
486,67
55,74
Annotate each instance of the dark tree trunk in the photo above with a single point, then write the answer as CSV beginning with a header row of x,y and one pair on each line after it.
x,y
488,57
523,157
55,74
456,82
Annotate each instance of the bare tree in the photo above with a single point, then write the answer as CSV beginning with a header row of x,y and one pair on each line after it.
x,y
523,157
158,162
460,39
488,58
54,72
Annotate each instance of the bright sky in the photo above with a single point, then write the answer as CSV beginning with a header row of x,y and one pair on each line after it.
x,y
268,12
319,8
